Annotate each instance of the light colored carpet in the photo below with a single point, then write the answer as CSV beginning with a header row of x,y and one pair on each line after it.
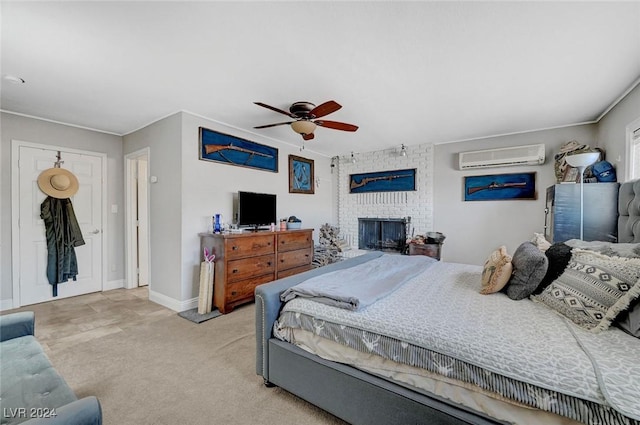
x,y
163,369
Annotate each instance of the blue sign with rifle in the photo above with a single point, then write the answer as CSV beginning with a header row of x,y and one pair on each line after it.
x,y
500,187
383,181
233,150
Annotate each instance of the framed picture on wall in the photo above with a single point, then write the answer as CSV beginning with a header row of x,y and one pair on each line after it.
x,y
301,178
383,181
500,187
227,149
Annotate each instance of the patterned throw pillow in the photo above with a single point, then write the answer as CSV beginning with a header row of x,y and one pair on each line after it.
x,y
593,289
497,271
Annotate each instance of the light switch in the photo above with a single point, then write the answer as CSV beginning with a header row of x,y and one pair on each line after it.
x,y
114,208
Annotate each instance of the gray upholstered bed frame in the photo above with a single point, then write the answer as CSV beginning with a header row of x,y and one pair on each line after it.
x,y
629,212
358,397
348,393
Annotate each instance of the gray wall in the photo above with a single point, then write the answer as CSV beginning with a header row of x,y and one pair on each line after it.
x,y
612,130
189,191
164,138
16,127
208,188
474,229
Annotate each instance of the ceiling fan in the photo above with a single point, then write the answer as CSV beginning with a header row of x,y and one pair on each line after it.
x,y
306,116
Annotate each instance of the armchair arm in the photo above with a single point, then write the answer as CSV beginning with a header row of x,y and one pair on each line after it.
x,y
15,325
86,411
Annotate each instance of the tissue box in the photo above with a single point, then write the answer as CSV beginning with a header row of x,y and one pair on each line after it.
x,y
294,225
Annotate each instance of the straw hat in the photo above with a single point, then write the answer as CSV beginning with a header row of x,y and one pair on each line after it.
x,y
58,183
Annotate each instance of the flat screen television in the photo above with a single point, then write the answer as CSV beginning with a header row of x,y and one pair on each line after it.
x,y
256,209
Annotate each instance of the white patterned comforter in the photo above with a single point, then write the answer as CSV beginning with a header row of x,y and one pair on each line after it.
x,y
442,311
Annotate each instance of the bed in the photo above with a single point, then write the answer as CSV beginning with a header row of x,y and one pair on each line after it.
x,y
462,356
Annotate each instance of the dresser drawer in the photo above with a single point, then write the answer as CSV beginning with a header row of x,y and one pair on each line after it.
x,y
291,259
250,267
292,241
244,289
249,247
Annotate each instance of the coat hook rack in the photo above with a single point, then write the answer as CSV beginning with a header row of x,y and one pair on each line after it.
x,y
59,161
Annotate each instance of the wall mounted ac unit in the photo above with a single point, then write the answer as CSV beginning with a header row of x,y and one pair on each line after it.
x,y
502,157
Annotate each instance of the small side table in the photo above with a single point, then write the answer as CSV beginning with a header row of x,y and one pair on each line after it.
x,y
429,249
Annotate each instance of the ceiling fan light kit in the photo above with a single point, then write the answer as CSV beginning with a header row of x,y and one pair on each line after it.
x,y
303,127
305,114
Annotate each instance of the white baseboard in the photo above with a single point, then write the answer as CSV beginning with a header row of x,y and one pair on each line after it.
x,y
154,296
6,304
113,284
172,303
189,304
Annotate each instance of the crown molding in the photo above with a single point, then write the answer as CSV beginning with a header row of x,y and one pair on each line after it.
x,y
60,122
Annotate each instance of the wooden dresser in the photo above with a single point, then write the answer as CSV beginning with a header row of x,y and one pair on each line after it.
x,y
246,260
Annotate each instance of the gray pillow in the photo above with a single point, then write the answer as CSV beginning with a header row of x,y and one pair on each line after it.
x,y
629,321
529,268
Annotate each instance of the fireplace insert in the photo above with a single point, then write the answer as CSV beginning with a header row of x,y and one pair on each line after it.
x,y
383,234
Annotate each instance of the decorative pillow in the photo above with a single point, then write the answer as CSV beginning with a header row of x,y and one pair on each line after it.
x,y
629,250
558,256
629,321
497,271
529,268
593,289
540,241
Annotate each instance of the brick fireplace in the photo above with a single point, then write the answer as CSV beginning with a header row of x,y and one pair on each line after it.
x,y
417,204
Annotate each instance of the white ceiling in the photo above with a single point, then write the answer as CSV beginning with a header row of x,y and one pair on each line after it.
x,y
405,72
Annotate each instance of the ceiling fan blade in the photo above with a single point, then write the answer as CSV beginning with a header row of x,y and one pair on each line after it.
x,y
336,125
325,109
307,136
273,108
273,125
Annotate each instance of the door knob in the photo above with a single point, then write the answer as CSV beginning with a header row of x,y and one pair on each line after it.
x,y
96,231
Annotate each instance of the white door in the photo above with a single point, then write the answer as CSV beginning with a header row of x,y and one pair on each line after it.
x,y
87,205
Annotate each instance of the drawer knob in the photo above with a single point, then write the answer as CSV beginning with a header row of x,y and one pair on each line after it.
x,y
234,293
234,248
234,271
268,263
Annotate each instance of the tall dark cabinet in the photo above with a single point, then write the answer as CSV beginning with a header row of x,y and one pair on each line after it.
x,y
562,212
